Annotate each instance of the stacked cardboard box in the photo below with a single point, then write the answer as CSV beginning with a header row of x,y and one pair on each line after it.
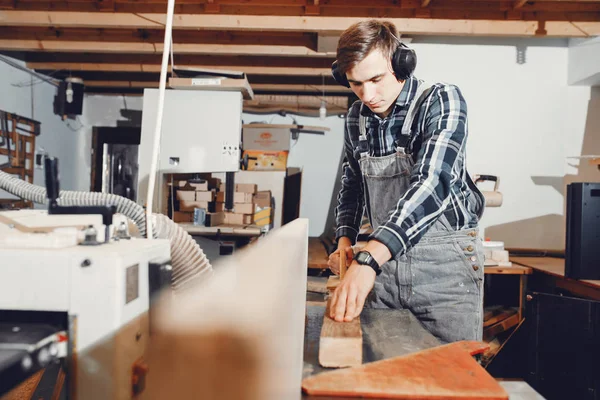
x,y
192,196
204,204
243,204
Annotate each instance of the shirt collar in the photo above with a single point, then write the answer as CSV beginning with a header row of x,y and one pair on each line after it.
x,y
406,96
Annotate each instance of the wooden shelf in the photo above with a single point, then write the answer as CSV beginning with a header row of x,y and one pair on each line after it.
x,y
230,230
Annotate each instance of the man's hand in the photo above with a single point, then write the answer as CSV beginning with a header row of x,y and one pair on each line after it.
x,y
334,258
344,246
349,297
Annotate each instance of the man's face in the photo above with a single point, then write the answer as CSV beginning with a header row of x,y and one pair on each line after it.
x,y
374,82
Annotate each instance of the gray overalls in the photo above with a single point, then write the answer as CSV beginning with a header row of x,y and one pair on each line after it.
x,y
440,279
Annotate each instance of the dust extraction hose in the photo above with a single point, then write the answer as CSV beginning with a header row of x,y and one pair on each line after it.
x,y
188,260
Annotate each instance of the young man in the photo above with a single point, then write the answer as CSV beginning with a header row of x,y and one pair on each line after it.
x,y
405,165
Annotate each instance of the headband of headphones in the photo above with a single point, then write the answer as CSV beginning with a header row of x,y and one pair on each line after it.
x,y
404,62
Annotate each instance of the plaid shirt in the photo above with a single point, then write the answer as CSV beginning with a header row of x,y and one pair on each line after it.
x,y
438,181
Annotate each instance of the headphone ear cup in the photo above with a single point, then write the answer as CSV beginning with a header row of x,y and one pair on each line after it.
x,y
404,62
339,77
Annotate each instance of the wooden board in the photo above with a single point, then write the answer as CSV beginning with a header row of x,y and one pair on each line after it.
x,y
341,343
501,326
513,270
317,254
214,84
555,267
332,282
501,315
240,334
444,372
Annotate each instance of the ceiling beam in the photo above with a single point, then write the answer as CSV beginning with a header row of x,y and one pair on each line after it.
x,y
306,39
157,48
265,87
100,67
180,59
413,26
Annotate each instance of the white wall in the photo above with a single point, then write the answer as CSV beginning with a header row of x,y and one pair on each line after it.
x,y
57,137
523,121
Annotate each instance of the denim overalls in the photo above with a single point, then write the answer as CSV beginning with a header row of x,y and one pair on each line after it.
x,y
440,279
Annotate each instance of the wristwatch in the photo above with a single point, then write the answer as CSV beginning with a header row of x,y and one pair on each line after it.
x,y
365,258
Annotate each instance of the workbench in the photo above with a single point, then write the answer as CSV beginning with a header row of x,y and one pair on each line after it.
x,y
386,334
550,272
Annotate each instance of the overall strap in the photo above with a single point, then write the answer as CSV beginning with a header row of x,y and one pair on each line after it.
x,y
408,127
362,150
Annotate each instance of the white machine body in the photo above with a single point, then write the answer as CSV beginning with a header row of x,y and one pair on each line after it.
x,y
201,132
103,289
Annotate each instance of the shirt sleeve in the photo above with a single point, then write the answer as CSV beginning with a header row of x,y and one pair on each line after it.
x,y
349,210
444,131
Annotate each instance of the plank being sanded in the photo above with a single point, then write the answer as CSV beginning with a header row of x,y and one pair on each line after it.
x,y
341,343
443,372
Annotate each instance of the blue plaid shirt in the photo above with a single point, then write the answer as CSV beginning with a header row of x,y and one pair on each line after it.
x,y
438,178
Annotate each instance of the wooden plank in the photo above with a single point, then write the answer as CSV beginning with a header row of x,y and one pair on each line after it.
x,y
553,266
333,282
341,343
520,3
317,254
443,372
156,48
502,326
25,390
490,311
500,316
127,67
222,84
304,39
513,270
240,334
257,86
409,26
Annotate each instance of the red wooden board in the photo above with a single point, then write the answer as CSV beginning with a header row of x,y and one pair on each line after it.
x,y
444,372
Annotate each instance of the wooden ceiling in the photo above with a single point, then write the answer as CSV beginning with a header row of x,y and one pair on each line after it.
x,y
285,46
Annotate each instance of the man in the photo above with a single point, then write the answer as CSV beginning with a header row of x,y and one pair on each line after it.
x,y
405,165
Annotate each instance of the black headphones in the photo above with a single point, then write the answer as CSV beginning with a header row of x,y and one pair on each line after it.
x,y
404,62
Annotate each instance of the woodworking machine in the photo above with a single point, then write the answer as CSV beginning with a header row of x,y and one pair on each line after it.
x,y
70,295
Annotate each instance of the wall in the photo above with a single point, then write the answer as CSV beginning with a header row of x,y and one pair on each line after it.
x,y
30,97
524,121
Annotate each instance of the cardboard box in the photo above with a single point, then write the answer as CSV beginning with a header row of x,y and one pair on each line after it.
x,y
266,160
263,217
209,206
238,197
179,217
237,219
241,197
242,187
265,138
262,199
244,208
186,195
205,196
214,219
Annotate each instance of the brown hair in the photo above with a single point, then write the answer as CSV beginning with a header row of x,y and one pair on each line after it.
x,y
360,39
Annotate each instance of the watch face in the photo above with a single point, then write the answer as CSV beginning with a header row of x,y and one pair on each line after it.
x,y
363,257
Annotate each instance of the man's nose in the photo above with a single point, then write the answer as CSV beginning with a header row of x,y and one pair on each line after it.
x,y
368,93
